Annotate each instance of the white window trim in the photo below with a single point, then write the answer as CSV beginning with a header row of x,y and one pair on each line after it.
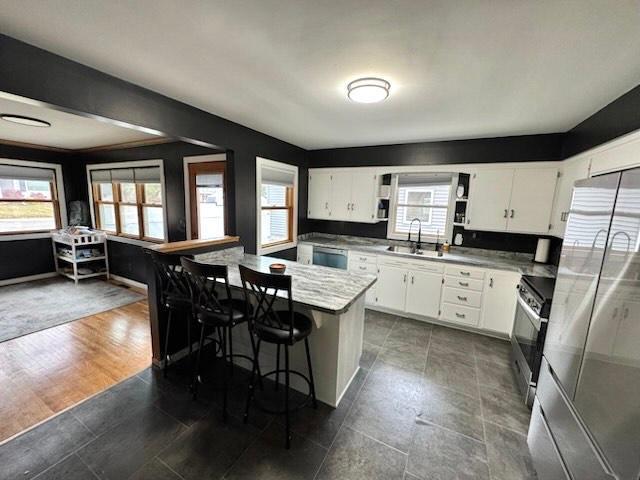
x,y
132,164
264,162
448,232
214,157
62,203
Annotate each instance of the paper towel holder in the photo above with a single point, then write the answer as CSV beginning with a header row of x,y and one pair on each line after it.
x,y
542,251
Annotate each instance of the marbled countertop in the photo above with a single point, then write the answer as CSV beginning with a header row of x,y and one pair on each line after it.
x,y
320,288
515,262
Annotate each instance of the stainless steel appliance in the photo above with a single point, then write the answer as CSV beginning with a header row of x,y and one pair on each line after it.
x,y
586,417
529,330
330,257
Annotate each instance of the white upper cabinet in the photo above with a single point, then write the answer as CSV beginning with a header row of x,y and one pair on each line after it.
x,y
572,171
319,195
532,200
344,194
489,196
512,200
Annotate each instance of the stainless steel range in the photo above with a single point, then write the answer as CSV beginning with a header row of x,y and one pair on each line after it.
x,y
529,330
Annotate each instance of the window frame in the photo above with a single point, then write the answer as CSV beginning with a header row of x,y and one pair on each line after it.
x,y
58,202
426,237
291,207
94,201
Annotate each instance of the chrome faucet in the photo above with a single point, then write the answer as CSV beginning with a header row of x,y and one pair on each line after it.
x,y
418,244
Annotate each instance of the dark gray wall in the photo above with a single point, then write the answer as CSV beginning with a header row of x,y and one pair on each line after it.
x,y
21,258
34,73
618,118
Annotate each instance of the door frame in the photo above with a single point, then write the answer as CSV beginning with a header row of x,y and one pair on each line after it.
x,y
216,157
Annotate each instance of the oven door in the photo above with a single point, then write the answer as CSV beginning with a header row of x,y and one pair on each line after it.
x,y
527,340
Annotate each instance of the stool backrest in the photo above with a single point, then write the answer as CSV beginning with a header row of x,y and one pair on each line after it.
x,y
262,289
206,282
171,277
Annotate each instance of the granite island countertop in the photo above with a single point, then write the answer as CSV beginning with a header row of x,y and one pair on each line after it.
x,y
320,288
515,262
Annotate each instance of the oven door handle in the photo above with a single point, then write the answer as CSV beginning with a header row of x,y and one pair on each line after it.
x,y
535,318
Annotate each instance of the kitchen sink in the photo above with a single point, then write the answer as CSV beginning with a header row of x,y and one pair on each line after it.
x,y
413,251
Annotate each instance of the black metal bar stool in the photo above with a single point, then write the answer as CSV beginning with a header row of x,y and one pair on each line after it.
x,y
284,328
175,295
217,313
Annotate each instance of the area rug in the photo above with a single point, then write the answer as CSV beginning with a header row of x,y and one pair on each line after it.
x,y
32,306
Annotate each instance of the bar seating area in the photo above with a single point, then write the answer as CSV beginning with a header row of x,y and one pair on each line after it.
x,y
193,291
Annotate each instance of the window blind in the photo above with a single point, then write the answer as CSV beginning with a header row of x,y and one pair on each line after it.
x,y
127,175
276,176
16,172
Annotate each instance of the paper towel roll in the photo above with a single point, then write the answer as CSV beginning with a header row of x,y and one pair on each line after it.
x,y
542,251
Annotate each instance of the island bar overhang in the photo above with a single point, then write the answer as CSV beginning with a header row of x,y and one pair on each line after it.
x,y
333,298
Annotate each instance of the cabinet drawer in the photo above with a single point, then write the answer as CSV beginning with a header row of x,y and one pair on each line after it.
x,y
464,272
360,267
460,314
363,257
461,296
545,455
578,452
466,283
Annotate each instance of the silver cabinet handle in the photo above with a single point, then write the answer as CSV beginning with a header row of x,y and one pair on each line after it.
x,y
463,284
405,278
505,213
491,282
465,274
411,279
326,205
512,212
363,259
462,299
362,268
460,315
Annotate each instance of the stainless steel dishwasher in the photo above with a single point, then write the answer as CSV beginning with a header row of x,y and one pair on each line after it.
x,y
330,257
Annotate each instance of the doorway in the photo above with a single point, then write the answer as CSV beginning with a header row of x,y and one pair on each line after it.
x,y
207,199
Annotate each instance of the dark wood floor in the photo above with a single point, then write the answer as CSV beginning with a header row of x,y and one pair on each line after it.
x,y
46,372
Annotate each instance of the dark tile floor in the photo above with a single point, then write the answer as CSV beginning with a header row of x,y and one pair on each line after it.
x,y
429,403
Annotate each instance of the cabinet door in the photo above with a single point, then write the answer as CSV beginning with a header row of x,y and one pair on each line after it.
x,y
364,188
423,293
340,201
499,301
305,254
571,172
319,195
532,200
391,287
489,195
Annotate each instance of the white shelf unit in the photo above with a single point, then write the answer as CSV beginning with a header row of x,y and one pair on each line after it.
x,y
77,243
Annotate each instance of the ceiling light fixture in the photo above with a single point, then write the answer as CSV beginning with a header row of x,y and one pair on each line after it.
x,y
22,120
368,90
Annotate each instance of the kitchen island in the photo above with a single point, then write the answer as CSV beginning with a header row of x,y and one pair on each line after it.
x,y
333,298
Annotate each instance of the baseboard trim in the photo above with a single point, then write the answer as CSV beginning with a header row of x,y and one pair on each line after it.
x,y
28,278
127,281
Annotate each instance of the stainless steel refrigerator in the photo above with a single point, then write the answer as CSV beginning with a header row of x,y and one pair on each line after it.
x,y
586,416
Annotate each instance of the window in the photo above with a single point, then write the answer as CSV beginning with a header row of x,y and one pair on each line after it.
x,y
28,200
422,196
128,202
277,194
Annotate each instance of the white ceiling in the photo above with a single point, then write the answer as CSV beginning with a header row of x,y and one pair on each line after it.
x,y
458,68
67,131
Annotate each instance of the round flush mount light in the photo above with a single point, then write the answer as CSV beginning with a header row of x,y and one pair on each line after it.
x,y
368,90
22,120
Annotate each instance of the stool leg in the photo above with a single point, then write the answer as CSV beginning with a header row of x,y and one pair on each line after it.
x,y
312,383
166,344
251,382
286,396
230,330
253,349
196,372
189,320
224,373
278,366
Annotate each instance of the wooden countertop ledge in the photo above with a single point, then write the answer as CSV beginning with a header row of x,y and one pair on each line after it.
x,y
176,247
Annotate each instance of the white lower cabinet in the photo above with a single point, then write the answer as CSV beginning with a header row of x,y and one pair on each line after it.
x,y
499,301
423,293
391,287
305,254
